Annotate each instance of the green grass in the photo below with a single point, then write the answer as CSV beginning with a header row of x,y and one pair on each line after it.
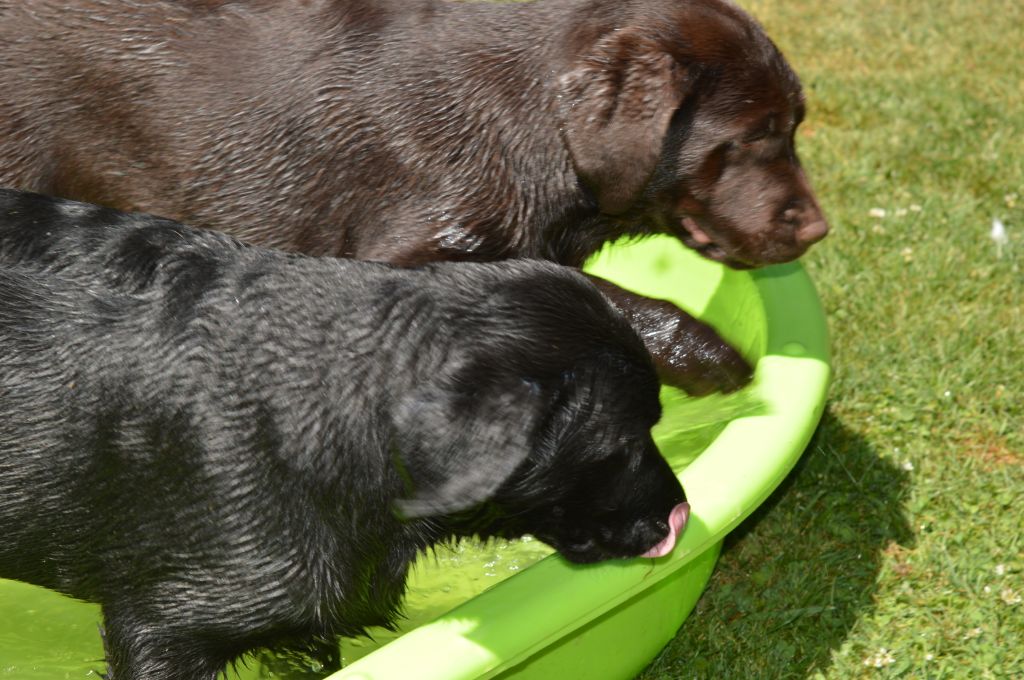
x,y
902,529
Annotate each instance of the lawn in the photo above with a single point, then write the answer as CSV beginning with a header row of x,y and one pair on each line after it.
x,y
896,547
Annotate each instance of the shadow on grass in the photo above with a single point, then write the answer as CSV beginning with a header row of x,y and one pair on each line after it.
x,y
797,575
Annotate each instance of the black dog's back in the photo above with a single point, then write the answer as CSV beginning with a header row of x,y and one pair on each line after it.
x,y
150,343
115,331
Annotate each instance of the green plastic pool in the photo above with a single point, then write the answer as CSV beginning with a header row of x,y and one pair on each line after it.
x,y
607,621
553,619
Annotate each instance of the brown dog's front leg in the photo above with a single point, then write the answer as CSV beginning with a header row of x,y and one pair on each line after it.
x,y
687,353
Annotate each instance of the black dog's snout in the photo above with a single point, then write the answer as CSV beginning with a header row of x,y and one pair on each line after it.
x,y
653,530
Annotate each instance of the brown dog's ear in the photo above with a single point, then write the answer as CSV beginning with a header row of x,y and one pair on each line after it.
x,y
456,448
616,103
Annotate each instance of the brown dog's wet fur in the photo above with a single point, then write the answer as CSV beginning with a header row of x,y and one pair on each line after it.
x,y
412,131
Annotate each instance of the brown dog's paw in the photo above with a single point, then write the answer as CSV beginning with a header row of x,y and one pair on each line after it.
x,y
687,353
690,355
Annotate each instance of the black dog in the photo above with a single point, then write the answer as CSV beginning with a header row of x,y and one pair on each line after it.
x,y
411,131
211,439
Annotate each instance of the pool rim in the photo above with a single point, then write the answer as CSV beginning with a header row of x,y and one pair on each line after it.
x,y
553,598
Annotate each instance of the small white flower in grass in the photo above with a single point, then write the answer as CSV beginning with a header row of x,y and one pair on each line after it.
x,y
1000,569
1011,596
999,236
877,212
914,207
987,589
882,658
973,633
908,466
929,657
998,232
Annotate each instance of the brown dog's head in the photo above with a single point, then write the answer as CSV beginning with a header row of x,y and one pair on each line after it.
x,y
680,118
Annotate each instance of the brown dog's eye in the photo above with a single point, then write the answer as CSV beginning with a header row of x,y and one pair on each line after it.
x,y
759,136
768,127
751,141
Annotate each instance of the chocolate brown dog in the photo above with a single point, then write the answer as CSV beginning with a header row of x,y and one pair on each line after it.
x,y
211,440
411,131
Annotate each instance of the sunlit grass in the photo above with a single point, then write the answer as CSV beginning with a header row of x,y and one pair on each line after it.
x,y
896,549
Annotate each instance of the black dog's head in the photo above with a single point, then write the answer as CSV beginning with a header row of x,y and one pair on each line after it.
x,y
681,117
544,427
595,486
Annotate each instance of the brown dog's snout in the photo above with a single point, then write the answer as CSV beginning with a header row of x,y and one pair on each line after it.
x,y
810,233
805,218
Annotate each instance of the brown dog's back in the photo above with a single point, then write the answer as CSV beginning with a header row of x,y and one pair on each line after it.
x,y
412,132
341,129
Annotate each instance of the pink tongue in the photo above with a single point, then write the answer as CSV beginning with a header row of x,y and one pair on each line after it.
x,y
676,521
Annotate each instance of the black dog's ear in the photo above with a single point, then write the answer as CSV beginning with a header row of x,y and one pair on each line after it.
x,y
616,104
456,449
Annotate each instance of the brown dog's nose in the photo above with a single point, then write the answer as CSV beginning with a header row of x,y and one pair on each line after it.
x,y
805,218
811,232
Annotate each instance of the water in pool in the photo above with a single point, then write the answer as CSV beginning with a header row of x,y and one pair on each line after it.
x,y
46,636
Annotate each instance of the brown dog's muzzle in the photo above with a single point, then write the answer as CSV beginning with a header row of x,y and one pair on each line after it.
x,y
804,218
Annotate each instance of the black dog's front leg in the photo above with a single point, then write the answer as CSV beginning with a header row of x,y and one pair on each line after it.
x,y
137,651
687,353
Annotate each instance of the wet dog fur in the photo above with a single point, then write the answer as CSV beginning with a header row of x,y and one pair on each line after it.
x,y
232,448
412,131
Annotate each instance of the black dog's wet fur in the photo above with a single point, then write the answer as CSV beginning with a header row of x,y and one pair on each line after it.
x,y
211,439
